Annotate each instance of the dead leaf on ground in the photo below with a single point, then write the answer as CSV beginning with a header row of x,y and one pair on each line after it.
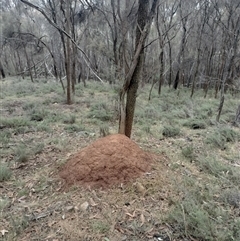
x,y
4,231
132,215
142,218
84,206
92,203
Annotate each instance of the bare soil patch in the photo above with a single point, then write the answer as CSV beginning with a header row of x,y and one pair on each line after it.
x,y
108,161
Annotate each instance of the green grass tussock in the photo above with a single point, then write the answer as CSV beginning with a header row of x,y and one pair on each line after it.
x,y
170,131
5,172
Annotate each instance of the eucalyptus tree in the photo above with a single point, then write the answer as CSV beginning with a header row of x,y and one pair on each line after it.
x,y
167,30
20,52
204,16
130,87
228,20
61,15
185,13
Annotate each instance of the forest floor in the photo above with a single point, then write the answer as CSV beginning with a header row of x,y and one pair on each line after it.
x,y
178,177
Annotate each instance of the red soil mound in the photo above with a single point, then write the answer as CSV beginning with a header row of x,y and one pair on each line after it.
x,y
108,161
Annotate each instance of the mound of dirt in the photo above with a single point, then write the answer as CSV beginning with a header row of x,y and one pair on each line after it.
x,y
108,161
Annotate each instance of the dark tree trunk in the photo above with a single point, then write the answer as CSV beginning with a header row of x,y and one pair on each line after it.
x,y
161,80
73,57
2,70
68,55
28,64
132,79
176,81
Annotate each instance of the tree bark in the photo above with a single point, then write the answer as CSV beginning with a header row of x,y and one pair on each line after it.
x,y
68,55
2,70
132,78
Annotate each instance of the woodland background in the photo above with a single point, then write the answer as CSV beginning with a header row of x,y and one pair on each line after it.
x,y
192,43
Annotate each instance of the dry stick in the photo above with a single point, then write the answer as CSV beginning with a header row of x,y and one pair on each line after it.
x,y
184,220
85,57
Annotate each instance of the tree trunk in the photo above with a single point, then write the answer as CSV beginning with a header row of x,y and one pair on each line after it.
x,y
2,70
68,55
170,62
220,108
28,63
73,58
176,81
161,78
132,78
132,94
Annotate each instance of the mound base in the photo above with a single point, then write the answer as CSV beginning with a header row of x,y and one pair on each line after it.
x,y
108,161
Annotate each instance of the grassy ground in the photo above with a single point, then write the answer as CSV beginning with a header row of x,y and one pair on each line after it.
x,y
192,193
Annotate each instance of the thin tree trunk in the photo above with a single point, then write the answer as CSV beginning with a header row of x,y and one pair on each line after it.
x,y
2,70
28,63
73,58
170,63
161,80
132,79
68,55
220,108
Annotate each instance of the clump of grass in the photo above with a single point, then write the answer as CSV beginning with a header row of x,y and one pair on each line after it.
x,y
170,131
21,154
104,130
53,100
195,123
151,113
146,129
22,89
74,128
229,134
3,203
38,148
199,214
192,220
5,172
202,222
231,197
71,119
14,122
42,126
100,227
11,110
38,114
19,223
165,106
5,136
216,140
92,94
100,106
102,115
29,106
54,117
179,113
217,168
100,111
188,152
221,136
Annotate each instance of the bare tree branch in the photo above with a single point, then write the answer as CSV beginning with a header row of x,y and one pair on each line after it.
x,y
85,57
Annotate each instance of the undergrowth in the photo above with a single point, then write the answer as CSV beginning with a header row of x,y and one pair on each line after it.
x,y
38,129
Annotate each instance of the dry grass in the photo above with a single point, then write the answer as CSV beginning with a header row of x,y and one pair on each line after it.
x,y
191,180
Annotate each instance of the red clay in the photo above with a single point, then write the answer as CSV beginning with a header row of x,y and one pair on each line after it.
x,y
108,161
